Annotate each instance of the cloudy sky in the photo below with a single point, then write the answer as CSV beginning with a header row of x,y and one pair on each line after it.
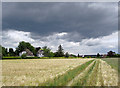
x,y
84,28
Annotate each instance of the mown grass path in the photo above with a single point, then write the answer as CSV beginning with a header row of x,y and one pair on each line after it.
x,y
71,83
82,80
92,73
67,77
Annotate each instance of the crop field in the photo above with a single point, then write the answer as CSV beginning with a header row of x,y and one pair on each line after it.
x,y
58,72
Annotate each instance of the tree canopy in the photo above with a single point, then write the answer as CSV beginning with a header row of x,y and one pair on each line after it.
x,y
25,45
60,51
47,52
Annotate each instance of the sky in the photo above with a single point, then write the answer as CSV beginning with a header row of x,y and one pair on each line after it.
x,y
81,27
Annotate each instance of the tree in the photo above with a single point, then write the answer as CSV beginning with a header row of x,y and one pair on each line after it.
x,y
0,51
78,55
17,51
25,45
111,54
66,54
98,55
60,52
23,56
4,51
11,52
47,52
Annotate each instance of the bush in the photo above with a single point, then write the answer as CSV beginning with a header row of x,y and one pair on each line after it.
x,y
31,57
11,57
23,56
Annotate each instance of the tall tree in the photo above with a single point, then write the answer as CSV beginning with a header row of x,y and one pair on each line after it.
x,y
78,55
47,52
111,54
11,52
4,51
98,55
67,54
25,45
60,52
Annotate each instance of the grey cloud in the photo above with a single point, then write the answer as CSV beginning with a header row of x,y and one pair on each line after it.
x,y
80,20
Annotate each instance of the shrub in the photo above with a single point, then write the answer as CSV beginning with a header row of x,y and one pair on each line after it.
x,y
11,57
31,57
23,56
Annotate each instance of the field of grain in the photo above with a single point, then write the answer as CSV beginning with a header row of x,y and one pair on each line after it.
x,y
58,72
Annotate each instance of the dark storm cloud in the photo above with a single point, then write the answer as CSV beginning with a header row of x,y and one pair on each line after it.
x,y
80,20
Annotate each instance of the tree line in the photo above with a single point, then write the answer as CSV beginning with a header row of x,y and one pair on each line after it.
x,y
22,46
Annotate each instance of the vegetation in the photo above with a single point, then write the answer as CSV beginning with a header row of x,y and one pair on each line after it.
x,y
66,54
98,55
23,46
58,72
23,56
47,52
60,52
29,72
64,79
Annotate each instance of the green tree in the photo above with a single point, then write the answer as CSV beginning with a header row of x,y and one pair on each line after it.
x,y
11,52
60,52
4,51
0,51
67,54
98,55
17,51
78,55
47,52
23,56
111,54
25,45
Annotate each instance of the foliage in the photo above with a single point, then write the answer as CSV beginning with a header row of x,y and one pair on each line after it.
x,y
111,54
4,51
23,56
25,45
60,52
32,57
67,54
11,52
47,52
69,75
11,57
98,55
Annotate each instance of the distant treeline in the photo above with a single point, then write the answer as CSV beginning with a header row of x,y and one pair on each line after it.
x,y
10,53
26,45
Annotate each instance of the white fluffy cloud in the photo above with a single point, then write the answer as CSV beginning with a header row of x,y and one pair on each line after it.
x,y
11,38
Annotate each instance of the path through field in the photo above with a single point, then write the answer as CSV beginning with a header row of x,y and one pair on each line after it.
x,y
74,72
97,73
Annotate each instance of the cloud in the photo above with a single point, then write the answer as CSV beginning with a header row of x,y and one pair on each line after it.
x,y
11,38
80,20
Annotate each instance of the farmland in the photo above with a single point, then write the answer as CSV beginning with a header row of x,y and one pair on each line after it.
x,y
58,72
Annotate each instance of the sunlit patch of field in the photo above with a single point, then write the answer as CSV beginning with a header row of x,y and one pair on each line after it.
x,y
32,72
110,75
114,64
60,72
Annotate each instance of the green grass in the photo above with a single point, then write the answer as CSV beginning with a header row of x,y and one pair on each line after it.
x,y
68,76
83,81
113,62
92,80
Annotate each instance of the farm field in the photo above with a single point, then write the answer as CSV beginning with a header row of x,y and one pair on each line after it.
x,y
58,72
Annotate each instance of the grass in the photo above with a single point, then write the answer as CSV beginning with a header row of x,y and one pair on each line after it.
x,y
82,81
26,72
92,80
64,79
58,72
113,62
